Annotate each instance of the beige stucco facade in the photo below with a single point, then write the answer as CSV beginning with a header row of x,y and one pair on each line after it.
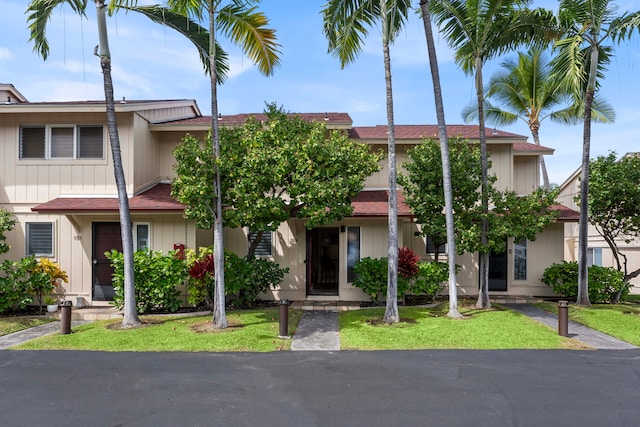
x,y
148,133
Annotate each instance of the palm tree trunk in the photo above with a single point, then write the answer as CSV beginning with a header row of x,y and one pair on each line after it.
x,y
130,319
483,256
444,150
391,314
219,314
543,166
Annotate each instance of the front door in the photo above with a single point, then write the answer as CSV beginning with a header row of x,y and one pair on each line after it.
x,y
323,261
106,236
498,271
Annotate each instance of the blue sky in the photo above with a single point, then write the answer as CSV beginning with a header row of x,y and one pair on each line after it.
x,y
151,62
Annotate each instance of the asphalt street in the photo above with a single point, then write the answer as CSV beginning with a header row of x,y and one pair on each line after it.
x,y
321,388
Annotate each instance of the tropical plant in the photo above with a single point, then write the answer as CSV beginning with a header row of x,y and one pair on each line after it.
x,y
478,31
158,276
430,279
444,152
526,90
245,26
606,282
588,27
7,222
345,26
248,278
15,285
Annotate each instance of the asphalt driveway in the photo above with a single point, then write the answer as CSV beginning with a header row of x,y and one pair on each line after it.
x,y
425,388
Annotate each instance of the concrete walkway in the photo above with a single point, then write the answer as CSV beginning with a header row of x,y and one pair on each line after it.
x,y
317,330
19,337
592,338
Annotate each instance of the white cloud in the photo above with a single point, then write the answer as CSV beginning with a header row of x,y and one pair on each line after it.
x,y
5,54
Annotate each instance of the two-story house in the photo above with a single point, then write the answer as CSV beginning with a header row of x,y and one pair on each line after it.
x,y
57,178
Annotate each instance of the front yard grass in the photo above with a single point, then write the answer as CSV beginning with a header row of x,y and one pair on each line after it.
x,y
251,330
11,324
430,328
620,320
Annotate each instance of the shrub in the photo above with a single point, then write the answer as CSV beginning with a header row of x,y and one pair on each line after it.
x,y
245,279
156,278
15,284
46,276
371,277
604,282
200,284
7,222
372,274
430,279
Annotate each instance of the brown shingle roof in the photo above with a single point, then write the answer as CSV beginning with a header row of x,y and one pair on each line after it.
x,y
157,198
427,131
566,214
239,119
375,203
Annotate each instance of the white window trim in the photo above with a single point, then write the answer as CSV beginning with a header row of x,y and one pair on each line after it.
x,y
47,142
135,235
52,255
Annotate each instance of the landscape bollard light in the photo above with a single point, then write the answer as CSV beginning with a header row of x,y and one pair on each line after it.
x,y
284,318
563,318
65,318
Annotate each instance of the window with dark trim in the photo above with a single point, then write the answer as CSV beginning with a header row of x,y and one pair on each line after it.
x,y
61,142
265,245
431,246
39,239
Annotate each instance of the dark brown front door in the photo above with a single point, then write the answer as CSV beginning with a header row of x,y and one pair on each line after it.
x,y
498,271
106,236
323,261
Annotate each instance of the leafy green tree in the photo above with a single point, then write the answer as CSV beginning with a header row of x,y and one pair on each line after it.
x,y
423,189
588,28
527,91
345,26
614,197
284,168
444,152
242,24
478,31
7,222
512,215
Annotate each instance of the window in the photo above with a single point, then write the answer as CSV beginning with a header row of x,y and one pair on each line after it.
x,y
520,259
431,246
594,256
353,251
264,247
61,142
141,236
39,239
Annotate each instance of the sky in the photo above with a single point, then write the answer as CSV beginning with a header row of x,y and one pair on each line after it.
x,y
150,61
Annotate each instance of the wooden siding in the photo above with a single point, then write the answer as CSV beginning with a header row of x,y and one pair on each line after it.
x,y
526,176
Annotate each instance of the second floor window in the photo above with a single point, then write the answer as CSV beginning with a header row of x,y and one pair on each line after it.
x,y
61,142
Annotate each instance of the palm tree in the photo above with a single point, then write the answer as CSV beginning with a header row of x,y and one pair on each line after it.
x,y
444,150
345,25
245,26
588,26
529,93
479,30
40,13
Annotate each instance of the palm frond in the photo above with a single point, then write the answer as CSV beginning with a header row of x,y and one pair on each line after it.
x,y
247,28
39,13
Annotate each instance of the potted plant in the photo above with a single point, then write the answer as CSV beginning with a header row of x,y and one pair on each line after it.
x,y
52,305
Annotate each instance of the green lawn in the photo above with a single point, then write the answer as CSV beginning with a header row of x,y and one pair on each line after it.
x,y
252,330
621,320
11,324
429,328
